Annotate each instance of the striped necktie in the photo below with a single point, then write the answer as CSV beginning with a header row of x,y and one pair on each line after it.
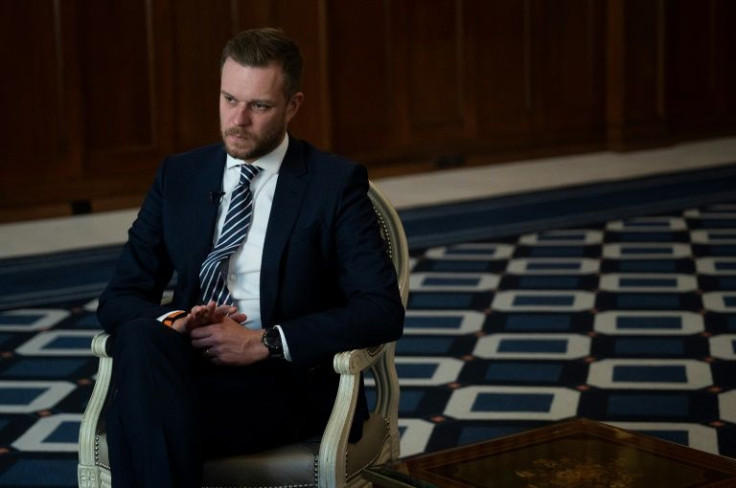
x,y
212,275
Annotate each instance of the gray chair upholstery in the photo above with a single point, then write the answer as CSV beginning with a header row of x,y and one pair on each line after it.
x,y
327,462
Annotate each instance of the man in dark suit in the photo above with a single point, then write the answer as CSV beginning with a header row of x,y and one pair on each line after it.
x,y
250,368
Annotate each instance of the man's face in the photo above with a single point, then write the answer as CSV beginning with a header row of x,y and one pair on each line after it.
x,y
254,111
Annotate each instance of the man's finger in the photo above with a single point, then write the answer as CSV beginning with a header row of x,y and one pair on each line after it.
x,y
201,332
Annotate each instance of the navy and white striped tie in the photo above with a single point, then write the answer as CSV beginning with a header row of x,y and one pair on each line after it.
x,y
214,269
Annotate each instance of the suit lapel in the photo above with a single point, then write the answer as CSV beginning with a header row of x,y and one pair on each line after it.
x,y
207,179
287,201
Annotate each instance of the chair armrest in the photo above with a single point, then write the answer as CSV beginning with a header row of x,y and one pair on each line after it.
x,y
380,360
357,360
349,365
90,425
102,345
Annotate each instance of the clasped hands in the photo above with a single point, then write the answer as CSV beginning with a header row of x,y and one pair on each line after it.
x,y
218,333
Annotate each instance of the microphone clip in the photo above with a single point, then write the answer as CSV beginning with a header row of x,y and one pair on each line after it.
x,y
216,196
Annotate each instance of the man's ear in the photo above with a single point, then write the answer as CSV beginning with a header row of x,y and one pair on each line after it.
x,y
293,105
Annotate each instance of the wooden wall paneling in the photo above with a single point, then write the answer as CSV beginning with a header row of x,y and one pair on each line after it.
x,y
568,57
34,139
723,45
500,70
201,30
362,79
162,43
398,54
99,92
727,49
436,71
615,73
306,22
118,76
125,53
644,73
635,113
70,86
250,14
692,65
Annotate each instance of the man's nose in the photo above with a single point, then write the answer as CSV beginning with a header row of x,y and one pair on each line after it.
x,y
242,116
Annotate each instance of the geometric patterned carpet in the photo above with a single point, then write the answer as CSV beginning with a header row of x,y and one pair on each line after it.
x,y
631,322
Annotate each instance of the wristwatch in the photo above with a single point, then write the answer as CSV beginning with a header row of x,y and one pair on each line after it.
x,y
271,338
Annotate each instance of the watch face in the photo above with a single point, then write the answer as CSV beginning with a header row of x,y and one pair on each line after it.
x,y
272,340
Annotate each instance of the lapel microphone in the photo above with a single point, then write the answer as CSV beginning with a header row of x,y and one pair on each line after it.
x,y
216,196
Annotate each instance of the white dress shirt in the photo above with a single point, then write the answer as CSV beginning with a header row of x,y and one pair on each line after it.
x,y
244,270
244,267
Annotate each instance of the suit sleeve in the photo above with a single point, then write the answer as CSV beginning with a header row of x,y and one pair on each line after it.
x,y
144,268
371,311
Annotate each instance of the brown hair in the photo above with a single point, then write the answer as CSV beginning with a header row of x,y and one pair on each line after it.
x,y
261,47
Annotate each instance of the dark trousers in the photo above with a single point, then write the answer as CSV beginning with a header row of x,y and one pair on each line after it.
x,y
171,408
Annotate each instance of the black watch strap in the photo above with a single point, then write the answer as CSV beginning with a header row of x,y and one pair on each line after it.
x,y
271,338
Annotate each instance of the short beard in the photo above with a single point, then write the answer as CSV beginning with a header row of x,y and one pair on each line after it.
x,y
268,143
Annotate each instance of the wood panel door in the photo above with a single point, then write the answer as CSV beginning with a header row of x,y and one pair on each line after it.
x,y
430,79
100,92
538,71
701,66
91,100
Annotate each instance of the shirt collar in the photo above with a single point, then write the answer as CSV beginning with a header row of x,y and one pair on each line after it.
x,y
270,163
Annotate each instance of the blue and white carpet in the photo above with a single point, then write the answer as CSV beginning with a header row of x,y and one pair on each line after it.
x,y
629,321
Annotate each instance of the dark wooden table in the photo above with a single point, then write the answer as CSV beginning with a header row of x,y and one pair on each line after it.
x,y
575,454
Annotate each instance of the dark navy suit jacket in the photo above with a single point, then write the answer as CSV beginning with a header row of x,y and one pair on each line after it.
x,y
325,278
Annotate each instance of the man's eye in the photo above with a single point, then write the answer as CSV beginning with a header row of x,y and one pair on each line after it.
x,y
229,99
260,107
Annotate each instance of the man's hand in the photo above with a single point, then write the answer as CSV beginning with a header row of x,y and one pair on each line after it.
x,y
202,315
229,343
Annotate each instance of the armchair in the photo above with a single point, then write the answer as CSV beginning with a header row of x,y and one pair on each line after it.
x,y
327,462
